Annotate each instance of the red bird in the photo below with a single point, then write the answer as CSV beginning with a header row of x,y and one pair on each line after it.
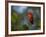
x,y
30,17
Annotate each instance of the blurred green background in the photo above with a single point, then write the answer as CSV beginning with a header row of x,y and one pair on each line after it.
x,y
19,21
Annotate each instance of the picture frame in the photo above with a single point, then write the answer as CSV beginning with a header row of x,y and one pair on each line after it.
x,y
8,11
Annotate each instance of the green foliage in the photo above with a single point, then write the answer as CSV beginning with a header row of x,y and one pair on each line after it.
x,y
38,24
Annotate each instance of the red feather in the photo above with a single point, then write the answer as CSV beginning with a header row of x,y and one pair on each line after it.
x,y
30,17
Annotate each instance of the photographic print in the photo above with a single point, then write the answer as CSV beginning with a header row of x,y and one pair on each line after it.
x,y
25,18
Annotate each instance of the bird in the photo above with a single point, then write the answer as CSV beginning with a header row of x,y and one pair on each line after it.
x,y
30,17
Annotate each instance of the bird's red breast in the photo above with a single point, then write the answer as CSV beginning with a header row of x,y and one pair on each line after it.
x,y
30,17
